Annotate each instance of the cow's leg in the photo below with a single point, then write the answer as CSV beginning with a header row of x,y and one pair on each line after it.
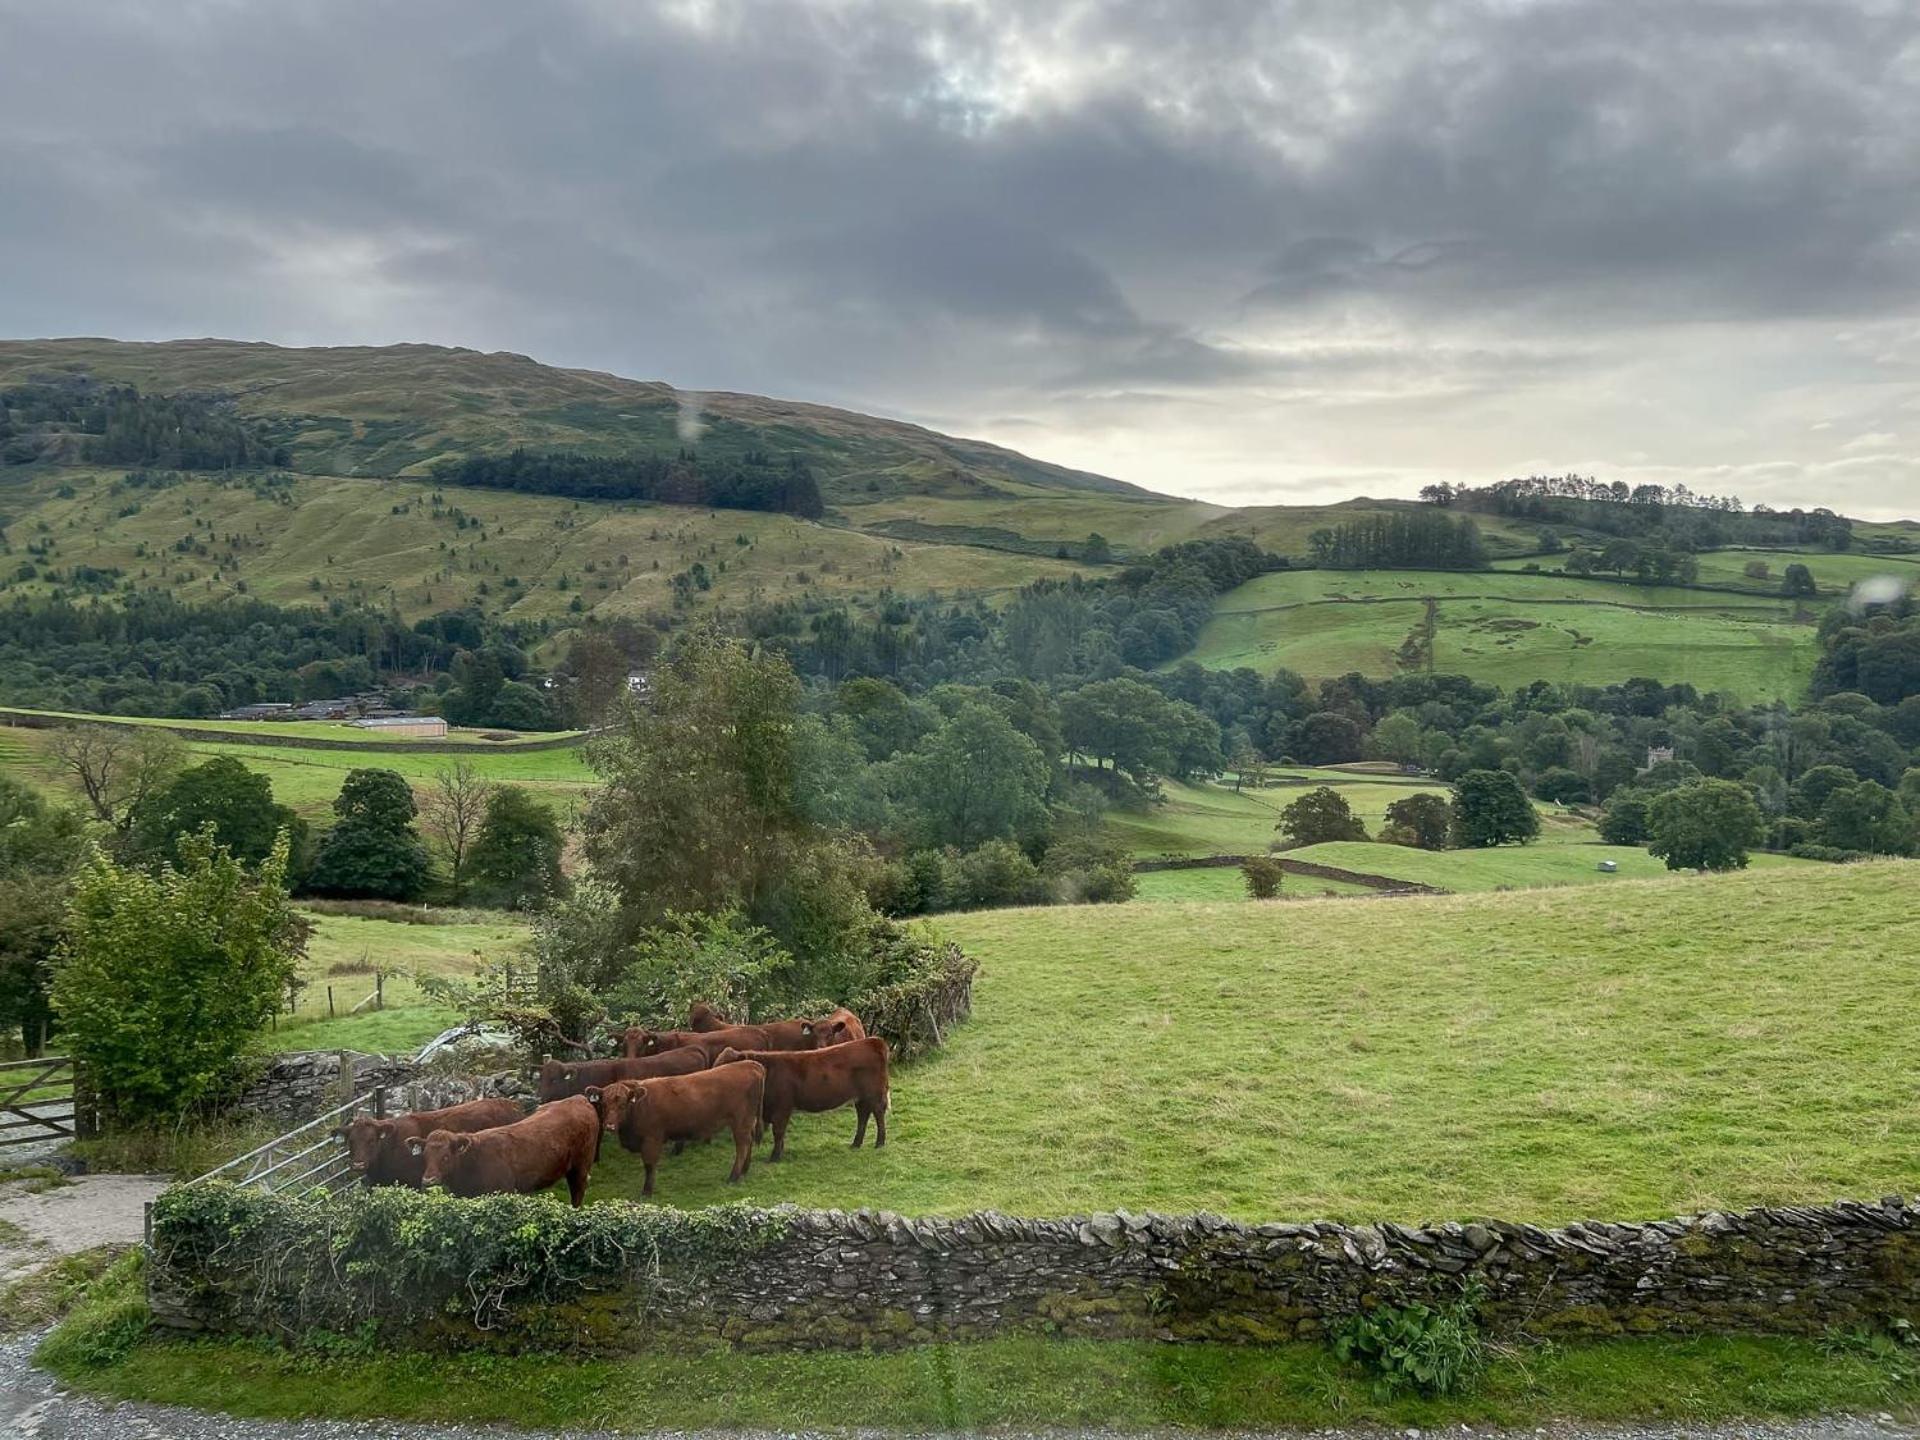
x,y
650,1157
742,1152
860,1108
780,1136
880,1119
577,1181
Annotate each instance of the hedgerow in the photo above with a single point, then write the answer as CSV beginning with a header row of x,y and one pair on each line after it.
x,y
399,1258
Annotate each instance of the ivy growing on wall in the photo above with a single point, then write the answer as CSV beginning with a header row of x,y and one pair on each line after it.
x,y
399,1258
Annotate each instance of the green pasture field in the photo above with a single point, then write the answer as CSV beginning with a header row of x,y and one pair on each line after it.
x,y
1225,882
335,730
1135,524
308,780
1509,629
1515,867
344,951
1833,573
1210,819
1648,1048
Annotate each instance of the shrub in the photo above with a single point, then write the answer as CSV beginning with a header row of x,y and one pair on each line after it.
x,y
722,959
166,978
1263,876
995,874
1416,1347
1831,853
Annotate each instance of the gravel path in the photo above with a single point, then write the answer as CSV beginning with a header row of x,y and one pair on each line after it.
x,y
32,1407
85,1211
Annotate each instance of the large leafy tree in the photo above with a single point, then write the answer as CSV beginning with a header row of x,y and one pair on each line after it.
x,y
167,976
40,849
372,851
1707,825
700,806
515,859
1318,816
221,792
1424,821
1490,808
974,779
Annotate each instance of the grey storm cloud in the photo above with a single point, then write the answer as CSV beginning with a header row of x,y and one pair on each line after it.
x,y
1220,247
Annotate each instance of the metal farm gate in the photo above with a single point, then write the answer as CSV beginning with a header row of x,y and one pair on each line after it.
x,y
306,1157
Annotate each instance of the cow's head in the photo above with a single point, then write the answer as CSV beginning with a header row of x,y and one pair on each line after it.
x,y
556,1080
704,1017
833,1030
444,1151
364,1137
617,1101
727,1056
641,1041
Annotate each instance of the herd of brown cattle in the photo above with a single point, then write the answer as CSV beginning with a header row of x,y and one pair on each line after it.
x,y
671,1087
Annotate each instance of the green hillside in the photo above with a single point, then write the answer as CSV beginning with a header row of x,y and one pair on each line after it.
x,y
398,409
1509,628
521,557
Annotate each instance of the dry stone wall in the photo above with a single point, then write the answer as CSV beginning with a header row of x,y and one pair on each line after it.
x,y
292,1089
827,1279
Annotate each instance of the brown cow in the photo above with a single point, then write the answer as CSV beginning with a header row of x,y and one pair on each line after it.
x,y
774,1035
561,1078
838,1028
646,1114
851,1074
556,1140
704,1017
377,1147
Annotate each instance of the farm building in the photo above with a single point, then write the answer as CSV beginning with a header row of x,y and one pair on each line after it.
x,y
421,727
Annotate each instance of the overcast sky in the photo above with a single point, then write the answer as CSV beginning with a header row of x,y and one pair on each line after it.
x,y
1252,252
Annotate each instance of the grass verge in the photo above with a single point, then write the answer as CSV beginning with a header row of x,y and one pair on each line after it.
x,y
1025,1381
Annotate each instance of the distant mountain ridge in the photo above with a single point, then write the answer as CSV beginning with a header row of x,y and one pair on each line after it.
x,y
398,410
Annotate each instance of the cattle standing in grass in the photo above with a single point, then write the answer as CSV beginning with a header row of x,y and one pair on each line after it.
x,y
814,1080
646,1114
557,1140
561,1078
377,1148
774,1035
838,1028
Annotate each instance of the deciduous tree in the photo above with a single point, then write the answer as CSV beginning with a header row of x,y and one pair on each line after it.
x,y
1490,808
1705,825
